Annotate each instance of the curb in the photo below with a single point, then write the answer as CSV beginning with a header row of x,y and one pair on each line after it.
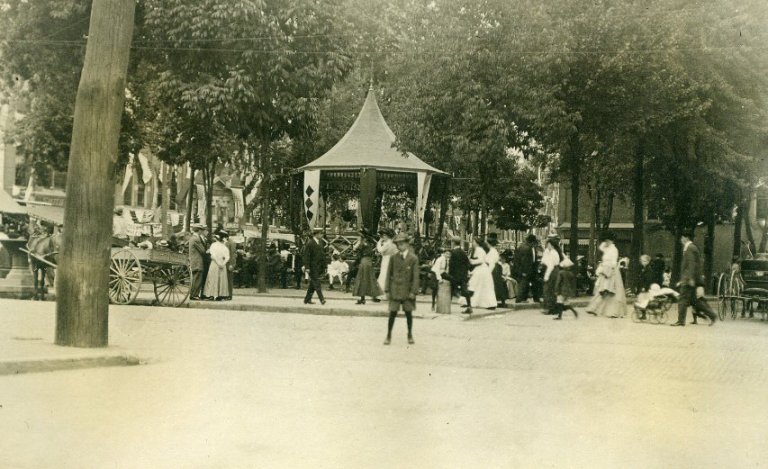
x,y
40,365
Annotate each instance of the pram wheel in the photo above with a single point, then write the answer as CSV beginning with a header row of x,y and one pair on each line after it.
x,y
661,316
638,315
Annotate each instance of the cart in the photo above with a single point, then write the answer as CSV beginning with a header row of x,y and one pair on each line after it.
x,y
168,271
744,290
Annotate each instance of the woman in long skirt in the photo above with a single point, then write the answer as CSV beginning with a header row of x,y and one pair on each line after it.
x,y
551,261
499,285
217,281
609,298
481,279
365,281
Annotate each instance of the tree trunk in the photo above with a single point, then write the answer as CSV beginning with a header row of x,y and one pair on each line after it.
x,y
677,257
593,256
737,233
265,216
709,251
638,217
573,245
748,225
209,174
82,302
608,212
165,201
190,198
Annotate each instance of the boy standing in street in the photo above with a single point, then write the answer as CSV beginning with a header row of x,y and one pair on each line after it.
x,y
402,285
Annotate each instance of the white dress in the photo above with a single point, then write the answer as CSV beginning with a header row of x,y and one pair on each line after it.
x,y
217,281
387,249
609,297
481,281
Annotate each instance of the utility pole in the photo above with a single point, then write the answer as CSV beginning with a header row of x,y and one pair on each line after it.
x,y
82,302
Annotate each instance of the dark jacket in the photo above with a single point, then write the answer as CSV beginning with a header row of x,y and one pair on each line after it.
x,y
565,283
647,277
524,262
314,258
691,270
402,282
458,266
196,253
657,267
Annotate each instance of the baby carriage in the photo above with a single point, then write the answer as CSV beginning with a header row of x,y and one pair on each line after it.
x,y
652,306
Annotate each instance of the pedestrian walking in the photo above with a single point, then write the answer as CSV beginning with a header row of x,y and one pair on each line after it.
x,y
458,269
402,285
565,289
493,258
481,279
524,267
314,262
441,297
196,249
551,259
609,297
506,274
691,276
217,281
365,281
231,263
386,248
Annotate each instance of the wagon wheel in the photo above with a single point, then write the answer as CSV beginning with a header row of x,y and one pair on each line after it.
x,y
737,303
124,277
172,284
722,288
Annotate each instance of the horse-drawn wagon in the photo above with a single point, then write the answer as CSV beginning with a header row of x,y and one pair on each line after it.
x,y
744,290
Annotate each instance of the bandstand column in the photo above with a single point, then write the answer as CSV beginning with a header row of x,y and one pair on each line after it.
x,y
368,188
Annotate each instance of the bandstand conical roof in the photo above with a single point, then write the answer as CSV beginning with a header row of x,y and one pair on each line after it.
x,y
368,144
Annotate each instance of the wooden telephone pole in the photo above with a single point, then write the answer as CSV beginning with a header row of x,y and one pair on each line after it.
x,y
82,303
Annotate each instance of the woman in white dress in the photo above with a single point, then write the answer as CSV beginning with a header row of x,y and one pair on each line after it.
x,y
386,249
481,278
609,298
217,281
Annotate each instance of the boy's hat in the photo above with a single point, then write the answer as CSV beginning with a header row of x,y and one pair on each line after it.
x,y
402,237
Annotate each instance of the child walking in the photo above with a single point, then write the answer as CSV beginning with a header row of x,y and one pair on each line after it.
x,y
565,289
402,285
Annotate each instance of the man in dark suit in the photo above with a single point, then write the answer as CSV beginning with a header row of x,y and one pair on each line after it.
x,y
691,276
196,260
458,271
314,264
402,285
524,267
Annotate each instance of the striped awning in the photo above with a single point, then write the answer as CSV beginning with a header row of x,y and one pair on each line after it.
x,y
47,213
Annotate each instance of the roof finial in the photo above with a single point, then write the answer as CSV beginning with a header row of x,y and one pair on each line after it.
x,y
370,87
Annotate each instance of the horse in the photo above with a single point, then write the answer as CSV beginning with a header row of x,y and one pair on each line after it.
x,y
45,247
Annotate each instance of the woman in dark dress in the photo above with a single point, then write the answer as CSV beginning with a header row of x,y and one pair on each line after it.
x,y
365,282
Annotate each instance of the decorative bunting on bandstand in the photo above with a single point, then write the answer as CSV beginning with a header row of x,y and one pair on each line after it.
x,y
311,196
424,181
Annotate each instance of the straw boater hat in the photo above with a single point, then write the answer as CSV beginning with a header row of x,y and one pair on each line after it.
x,y
402,237
389,232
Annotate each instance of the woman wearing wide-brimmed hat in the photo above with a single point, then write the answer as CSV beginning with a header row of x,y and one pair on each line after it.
x,y
609,297
365,281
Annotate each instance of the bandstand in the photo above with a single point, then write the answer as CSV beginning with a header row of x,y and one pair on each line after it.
x,y
366,163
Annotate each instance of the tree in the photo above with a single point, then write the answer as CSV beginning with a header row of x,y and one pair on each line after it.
x,y
83,273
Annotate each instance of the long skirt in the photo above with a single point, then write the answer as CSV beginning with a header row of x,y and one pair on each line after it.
x,y
365,282
550,296
443,305
609,302
217,282
499,285
481,285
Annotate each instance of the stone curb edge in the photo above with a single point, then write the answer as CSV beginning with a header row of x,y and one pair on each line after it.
x,y
39,365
